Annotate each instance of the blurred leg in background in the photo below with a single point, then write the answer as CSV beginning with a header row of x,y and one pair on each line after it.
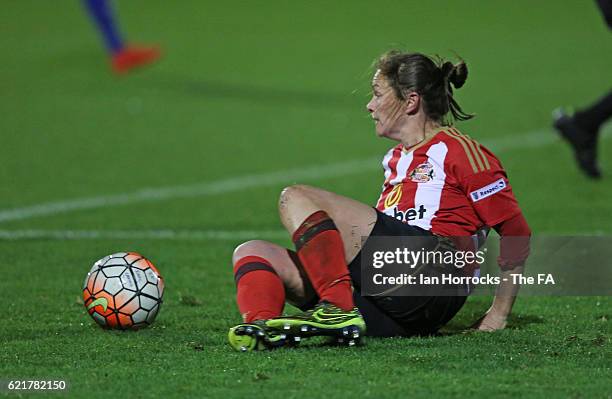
x,y
581,130
123,57
606,9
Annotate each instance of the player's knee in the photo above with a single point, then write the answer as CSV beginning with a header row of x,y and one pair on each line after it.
x,y
293,195
275,256
251,248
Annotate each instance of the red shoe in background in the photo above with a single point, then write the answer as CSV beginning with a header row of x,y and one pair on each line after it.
x,y
133,57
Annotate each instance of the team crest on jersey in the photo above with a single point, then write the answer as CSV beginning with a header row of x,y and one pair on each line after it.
x,y
422,173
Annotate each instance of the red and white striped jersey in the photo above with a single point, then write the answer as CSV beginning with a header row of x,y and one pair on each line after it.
x,y
449,184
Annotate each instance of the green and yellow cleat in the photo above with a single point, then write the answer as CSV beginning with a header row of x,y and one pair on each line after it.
x,y
346,327
256,336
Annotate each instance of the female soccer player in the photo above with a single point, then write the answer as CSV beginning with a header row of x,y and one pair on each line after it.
x,y
438,183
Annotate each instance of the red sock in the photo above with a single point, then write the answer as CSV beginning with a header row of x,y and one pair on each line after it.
x,y
320,249
260,292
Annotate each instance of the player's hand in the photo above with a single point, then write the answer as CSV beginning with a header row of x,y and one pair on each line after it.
x,y
491,321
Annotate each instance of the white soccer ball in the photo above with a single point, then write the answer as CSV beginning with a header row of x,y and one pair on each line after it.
x,y
123,291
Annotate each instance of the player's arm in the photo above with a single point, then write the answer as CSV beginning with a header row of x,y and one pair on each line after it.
x,y
514,250
493,201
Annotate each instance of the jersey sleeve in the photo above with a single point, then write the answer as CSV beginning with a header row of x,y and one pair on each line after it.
x,y
489,190
514,236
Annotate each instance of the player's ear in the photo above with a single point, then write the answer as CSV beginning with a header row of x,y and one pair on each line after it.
x,y
412,103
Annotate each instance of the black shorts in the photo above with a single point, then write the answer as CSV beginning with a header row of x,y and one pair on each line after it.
x,y
387,316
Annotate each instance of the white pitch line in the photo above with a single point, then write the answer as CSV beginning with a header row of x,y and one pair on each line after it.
x,y
195,190
199,235
186,235
536,138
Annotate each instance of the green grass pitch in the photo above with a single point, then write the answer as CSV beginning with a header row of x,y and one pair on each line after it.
x,y
250,89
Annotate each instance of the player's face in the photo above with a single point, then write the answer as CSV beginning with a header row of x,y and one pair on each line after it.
x,y
384,107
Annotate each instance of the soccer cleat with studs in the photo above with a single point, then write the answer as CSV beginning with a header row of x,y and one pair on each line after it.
x,y
255,336
345,327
